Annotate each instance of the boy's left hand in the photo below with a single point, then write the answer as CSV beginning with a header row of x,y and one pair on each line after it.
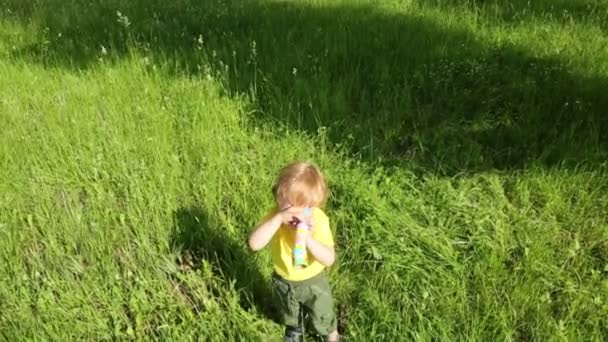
x,y
304,215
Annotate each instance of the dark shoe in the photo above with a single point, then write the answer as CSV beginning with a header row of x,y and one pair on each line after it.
x,y
293,334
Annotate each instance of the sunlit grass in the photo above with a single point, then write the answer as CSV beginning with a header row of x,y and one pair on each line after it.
x,y
465,147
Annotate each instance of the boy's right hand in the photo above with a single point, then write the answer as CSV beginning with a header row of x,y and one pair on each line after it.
x,y
292,215
287,215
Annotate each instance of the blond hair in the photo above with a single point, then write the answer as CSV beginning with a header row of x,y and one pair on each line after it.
x,y
300,184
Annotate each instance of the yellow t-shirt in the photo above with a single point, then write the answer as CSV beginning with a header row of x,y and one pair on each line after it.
x,y
282,244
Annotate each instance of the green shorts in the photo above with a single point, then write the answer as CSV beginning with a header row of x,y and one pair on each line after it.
x,y
313,295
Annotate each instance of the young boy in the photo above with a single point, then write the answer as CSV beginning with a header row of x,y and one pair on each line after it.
x,y
300,191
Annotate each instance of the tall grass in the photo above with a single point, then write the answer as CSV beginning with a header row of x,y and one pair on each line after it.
x,y
465,145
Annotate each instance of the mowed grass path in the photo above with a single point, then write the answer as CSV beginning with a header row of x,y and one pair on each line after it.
x,y
465,144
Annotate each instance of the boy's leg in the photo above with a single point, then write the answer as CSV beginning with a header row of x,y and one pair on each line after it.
x,y
320,307
289,308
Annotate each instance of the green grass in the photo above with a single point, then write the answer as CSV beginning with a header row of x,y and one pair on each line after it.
x,y
465,143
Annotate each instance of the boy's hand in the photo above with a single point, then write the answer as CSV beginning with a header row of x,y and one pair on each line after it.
x,y
290,215
293,215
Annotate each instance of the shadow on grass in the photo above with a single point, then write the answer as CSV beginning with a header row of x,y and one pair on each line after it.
x,y
196,238
402,89
589,12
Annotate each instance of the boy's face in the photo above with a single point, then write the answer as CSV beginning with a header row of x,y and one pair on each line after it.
x,y
286,205
283,205
297,212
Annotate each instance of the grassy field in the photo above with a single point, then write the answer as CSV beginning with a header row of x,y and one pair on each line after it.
x,y
465,142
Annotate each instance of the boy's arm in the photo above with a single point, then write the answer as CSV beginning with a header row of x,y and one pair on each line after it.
x,y
262,235
321,242
326,255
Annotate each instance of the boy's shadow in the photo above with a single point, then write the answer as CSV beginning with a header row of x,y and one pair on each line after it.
x,y
196,238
